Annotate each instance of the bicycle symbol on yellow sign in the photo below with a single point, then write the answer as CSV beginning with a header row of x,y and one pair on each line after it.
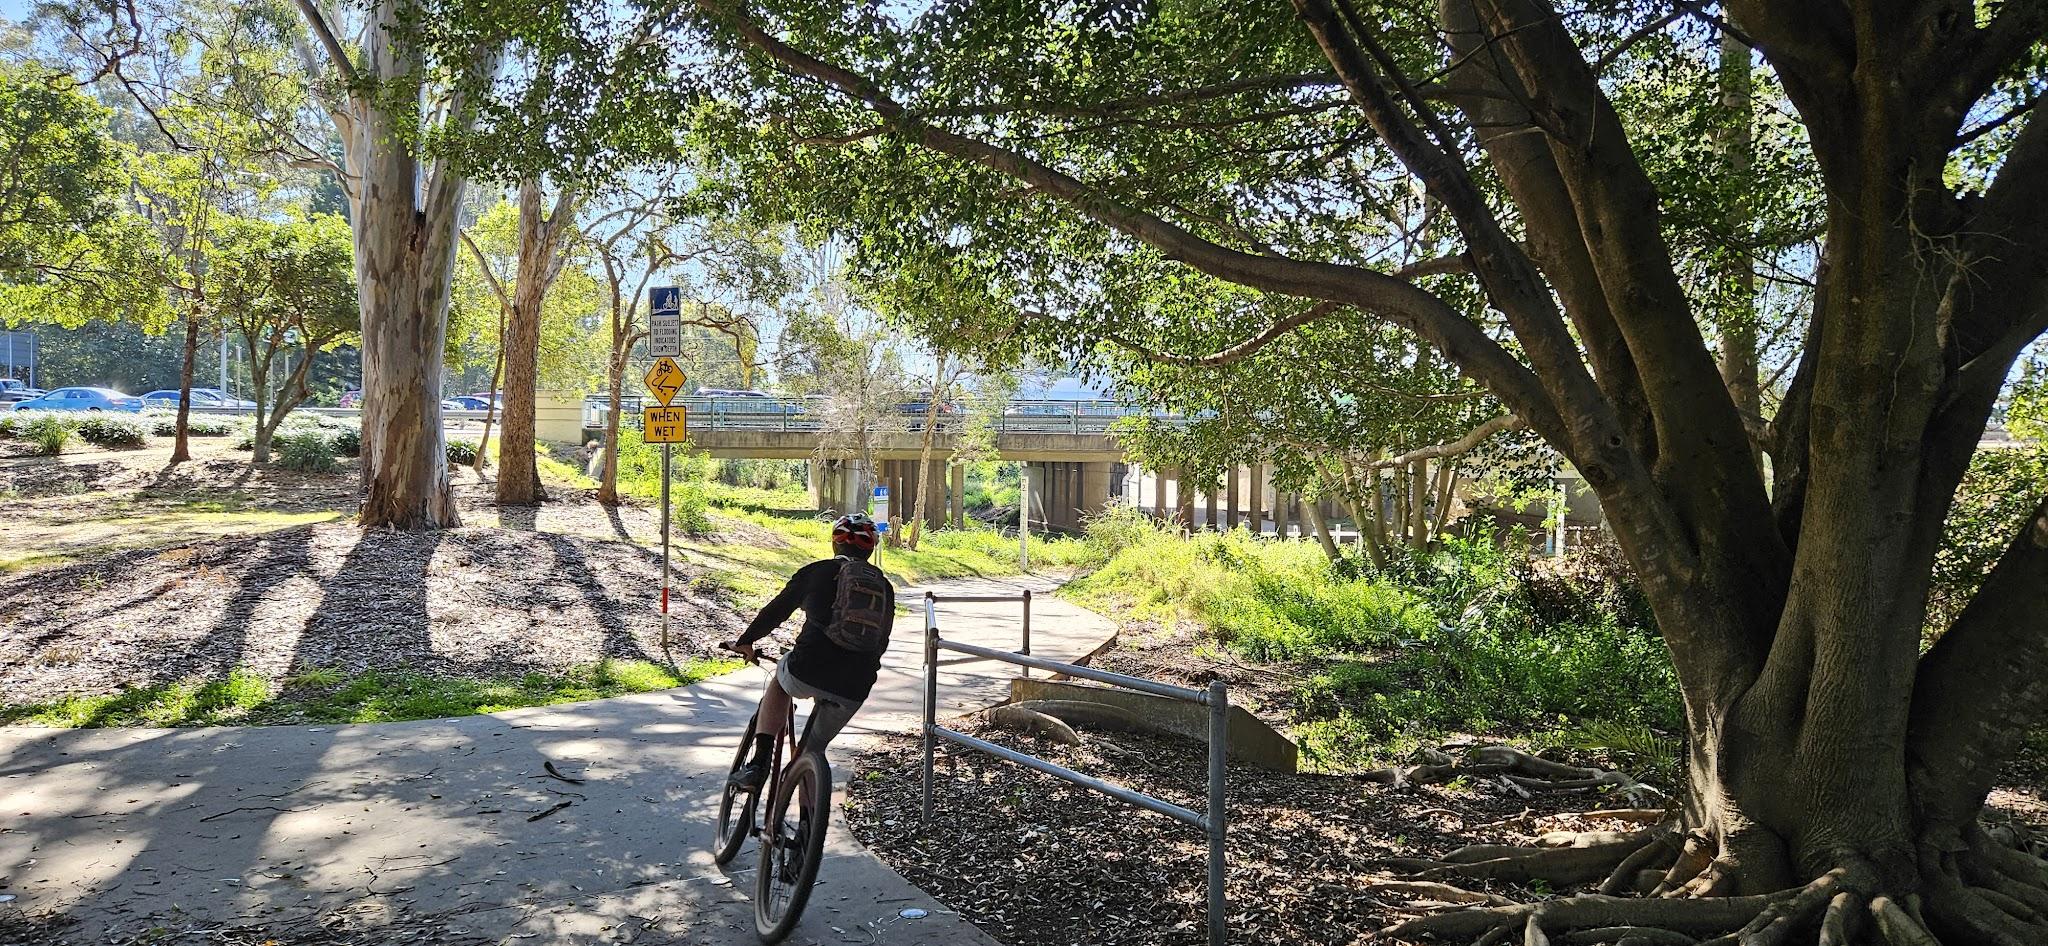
x,y
665,380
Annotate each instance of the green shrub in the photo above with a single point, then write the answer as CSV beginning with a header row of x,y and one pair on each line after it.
x,y
689,511
11,425
306,453
50,435
1471,637
460,452
197,425
348,443
104,430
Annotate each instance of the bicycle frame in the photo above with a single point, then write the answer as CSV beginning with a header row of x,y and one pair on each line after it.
x,y
776,765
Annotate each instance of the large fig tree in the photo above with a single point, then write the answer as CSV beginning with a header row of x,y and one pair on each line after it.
x,y
1074,157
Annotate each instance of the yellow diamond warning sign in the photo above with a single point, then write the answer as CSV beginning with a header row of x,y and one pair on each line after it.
x,y
664,425
665,380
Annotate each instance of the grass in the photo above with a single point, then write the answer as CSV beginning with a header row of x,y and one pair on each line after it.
x,y
755,571
1468,639
322,695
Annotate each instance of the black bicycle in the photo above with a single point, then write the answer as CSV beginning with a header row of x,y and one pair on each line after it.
x,y
791,847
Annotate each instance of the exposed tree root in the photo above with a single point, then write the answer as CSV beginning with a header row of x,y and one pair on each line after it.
x,y
1594,855
1511,769
1987,895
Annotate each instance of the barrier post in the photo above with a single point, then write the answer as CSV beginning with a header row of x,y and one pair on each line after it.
x,y
1219,736
931,698
1027,627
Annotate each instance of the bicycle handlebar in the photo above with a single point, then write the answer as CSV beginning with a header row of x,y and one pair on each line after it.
x,y
759,655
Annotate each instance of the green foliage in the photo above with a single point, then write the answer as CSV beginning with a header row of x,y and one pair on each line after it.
x,y
460,452
2001,489
1469,638
62,174
306,453
284,287
50,435
105,430
12,424
196,425
349,443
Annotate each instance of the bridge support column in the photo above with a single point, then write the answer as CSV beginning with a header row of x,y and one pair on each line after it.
x,y
1209,519
956,497
1230,498
1159,496
1280,504
1094,495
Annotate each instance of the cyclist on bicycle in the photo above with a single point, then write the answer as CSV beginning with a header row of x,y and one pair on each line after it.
x,y
830,665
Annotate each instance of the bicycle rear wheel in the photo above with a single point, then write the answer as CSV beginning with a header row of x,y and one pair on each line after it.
x,y
793,846
736,806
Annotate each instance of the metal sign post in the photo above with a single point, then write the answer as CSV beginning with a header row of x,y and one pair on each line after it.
x,y
663,425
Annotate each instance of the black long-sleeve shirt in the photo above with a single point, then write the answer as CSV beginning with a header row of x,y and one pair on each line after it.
x,y
815,659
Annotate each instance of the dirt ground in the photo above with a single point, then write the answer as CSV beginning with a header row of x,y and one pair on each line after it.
x,y
125,575
1032,860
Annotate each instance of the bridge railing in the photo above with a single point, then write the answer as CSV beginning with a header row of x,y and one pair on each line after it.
x,y
810,414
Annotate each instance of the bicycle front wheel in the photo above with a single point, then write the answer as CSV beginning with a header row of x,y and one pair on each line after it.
x,y
735,806
792,846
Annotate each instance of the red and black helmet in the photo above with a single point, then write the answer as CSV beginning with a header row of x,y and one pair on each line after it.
x,y
856,530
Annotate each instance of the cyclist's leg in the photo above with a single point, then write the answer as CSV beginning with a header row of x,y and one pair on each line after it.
x,y
770,718
830,712
775,706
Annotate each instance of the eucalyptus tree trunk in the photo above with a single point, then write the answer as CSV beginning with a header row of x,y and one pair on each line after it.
x,y
541,256
1738,325
403,213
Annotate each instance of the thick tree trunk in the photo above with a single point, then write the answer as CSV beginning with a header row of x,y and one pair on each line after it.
x,y
540,252
404,217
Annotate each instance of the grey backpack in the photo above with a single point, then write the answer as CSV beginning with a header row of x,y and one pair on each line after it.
x,y
860,612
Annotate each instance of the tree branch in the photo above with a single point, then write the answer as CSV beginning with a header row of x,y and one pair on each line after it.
x,y
336,53
497,288
1458,447
1232,353
1384,295
1984,684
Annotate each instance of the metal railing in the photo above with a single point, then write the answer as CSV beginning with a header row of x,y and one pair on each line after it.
x,y
798,414
1216,698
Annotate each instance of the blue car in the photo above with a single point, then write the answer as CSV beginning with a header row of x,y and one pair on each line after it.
x,y
82,399
202,398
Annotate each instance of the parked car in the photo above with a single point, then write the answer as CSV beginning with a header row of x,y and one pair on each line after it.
x,y
201,398
478,402
12,390
453,406
82,399
352,398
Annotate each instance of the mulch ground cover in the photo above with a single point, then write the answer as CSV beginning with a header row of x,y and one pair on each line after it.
x,y
474,602
1032,860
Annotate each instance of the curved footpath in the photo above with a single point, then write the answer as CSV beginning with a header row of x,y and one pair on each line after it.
x,y
452,831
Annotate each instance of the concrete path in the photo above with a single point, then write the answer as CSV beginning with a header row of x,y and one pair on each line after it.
x,y
455,822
